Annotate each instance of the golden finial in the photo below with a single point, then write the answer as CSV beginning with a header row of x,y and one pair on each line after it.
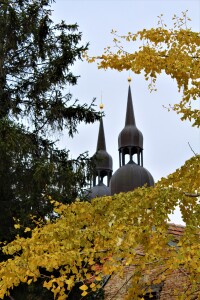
x,y
129,79
101,106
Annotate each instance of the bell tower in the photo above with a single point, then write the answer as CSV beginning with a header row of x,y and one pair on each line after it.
x,y
102,166
130,175
130,139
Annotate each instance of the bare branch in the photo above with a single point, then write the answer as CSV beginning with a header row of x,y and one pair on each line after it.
x,y
192,195
192,149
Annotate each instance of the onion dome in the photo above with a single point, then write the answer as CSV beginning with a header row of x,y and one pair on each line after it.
x,y
129,177
99,190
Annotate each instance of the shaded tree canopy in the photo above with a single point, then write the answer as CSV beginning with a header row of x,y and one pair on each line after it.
x,y
36,57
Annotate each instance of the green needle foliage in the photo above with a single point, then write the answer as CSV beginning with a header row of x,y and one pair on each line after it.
x,y
36,57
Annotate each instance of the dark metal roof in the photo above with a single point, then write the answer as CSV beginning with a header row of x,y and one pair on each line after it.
x,y
99,190
130,136
130,177
130,117
102,159
101,142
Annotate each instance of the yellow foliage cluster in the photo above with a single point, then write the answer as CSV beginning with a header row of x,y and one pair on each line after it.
x,y
176,52
89,241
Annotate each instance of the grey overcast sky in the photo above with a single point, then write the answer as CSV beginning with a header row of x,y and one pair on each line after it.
x,y
166,138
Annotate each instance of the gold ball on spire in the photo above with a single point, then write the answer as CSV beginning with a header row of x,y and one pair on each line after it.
x,y
101,106
129,79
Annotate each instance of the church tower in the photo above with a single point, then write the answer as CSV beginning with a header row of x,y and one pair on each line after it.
x,y
130,144
102,166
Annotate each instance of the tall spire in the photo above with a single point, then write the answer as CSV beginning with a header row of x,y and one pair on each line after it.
x,y
131,173
130,118
130,140
101,142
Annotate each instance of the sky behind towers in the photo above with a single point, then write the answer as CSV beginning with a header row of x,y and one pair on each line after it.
x,y
166,138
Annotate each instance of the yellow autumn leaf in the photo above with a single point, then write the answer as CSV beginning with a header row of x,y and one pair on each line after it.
x,y
27,229
83,287
17,226
98,278
47,284
29,281
84,294
91,262
92,285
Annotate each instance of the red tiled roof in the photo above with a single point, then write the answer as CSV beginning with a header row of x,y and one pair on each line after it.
x,y
175,281
176,230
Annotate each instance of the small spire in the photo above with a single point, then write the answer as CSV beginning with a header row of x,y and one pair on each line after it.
x,y
130,118
101,143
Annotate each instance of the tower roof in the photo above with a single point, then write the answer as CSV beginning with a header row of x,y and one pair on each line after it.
x,y
130,136
103,160
130,117
129,177
99,190
102,167
101,142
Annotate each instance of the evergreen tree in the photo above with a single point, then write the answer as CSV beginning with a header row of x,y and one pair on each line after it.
x,y
35,60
